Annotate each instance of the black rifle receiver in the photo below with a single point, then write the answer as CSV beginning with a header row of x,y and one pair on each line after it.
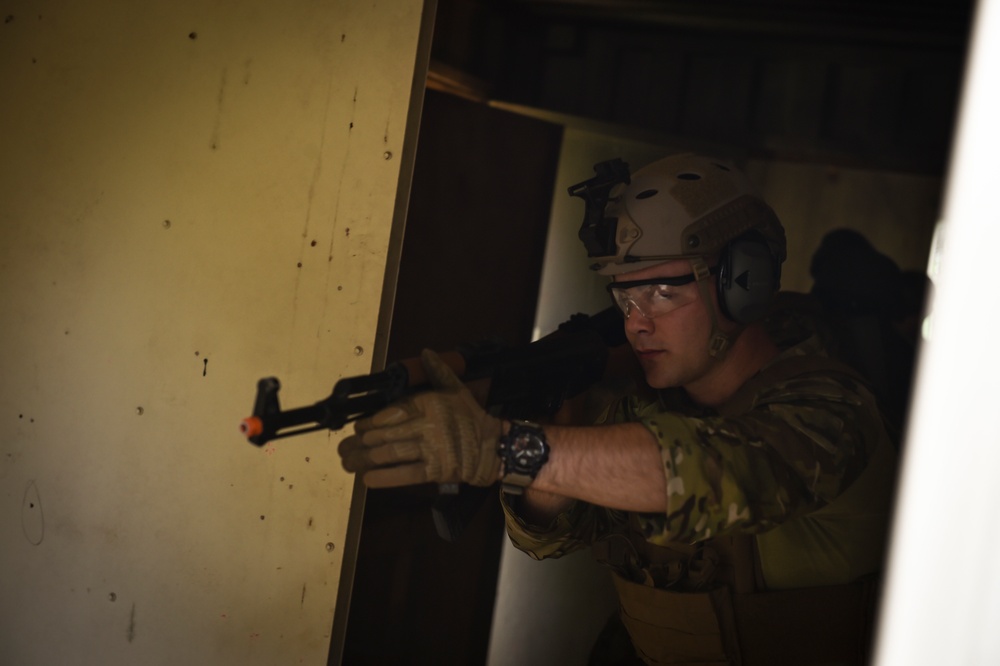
x,y
527,382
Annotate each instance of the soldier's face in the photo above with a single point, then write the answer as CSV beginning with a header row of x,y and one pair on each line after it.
x,y
673,348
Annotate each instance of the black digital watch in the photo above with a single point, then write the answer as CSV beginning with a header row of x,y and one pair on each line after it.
x,y
523,451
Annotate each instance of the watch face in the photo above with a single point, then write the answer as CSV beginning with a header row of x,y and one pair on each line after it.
x,y
527,450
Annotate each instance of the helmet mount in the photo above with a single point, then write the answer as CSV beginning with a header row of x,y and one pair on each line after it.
x,y
598,231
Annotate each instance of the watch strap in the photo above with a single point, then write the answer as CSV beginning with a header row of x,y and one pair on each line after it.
x,y
514,483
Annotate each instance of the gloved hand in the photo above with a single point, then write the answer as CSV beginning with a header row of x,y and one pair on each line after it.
x,y
442,436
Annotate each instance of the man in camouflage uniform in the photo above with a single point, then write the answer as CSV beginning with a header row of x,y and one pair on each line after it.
x,y
740,494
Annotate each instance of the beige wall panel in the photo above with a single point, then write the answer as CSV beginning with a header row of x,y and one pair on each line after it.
x,y
193,195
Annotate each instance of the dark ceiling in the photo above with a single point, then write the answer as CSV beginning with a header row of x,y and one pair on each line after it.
x,y
872,84
888,21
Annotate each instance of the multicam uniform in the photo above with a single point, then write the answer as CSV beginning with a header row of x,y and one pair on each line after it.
x,y
775,521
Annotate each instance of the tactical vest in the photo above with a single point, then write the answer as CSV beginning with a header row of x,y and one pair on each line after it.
x,y
711,604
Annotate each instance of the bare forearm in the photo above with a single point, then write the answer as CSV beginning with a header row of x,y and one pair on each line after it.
x,y
618,467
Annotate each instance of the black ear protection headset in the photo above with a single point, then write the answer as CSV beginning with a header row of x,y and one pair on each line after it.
x,y
749,277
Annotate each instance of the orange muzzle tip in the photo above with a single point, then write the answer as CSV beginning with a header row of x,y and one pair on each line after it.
x,y
252,426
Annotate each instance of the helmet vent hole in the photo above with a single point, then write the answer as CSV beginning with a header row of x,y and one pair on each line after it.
x,y
645,194
687,175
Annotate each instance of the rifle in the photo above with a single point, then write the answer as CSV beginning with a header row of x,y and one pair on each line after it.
x,y
527,382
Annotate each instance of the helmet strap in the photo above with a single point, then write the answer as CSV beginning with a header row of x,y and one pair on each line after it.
x,y
719,342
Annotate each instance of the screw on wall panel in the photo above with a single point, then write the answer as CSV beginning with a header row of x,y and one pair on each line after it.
x,y
112,597
358,351
166,224
192,35
329,547
139,411
387,155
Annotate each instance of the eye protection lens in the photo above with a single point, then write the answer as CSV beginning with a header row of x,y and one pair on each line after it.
x,y
653,297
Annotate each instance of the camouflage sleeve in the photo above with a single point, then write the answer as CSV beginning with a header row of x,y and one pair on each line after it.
x,y
803,442
801,445
569,531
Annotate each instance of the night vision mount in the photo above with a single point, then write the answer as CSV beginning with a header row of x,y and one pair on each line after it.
x,y
598,231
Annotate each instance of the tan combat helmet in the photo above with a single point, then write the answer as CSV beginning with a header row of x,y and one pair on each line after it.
x,y
686,207
678,207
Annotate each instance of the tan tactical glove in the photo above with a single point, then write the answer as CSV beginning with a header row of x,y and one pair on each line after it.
x,y
442,436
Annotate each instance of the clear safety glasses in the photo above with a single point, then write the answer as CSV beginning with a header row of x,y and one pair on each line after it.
x,y
654,297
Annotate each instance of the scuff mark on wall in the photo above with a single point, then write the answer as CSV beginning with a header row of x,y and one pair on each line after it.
x,y
130,634
215,142
318,168
310,197
9,459
89,208
204,363
338,189
334,224
32,518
